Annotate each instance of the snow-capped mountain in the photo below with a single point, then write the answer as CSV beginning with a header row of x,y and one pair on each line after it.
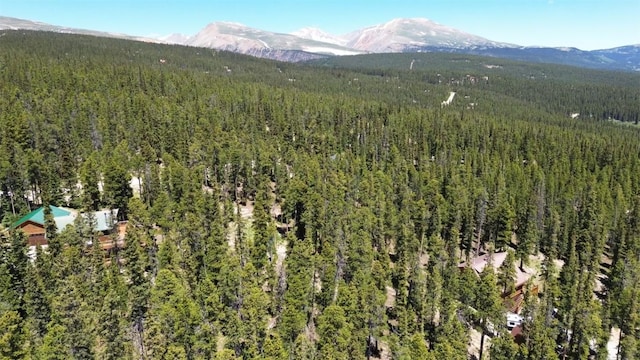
x,y
400,35
239,38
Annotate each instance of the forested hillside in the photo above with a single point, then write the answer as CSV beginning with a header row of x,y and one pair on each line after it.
x,y
600,95
314,212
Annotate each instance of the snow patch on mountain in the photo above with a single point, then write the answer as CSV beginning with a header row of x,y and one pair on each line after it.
x,y
330,51
316,34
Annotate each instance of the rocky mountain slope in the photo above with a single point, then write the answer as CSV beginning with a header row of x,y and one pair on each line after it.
x,y
398,35
401,35
239,38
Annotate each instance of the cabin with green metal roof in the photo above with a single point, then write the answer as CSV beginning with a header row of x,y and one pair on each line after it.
x,y
37,216
33,224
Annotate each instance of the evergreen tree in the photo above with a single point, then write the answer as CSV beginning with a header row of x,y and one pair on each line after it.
x,y
273,349
507,273
117,189
72,313
253,311
527,236
138,285
172,318
37,304
13,335
225,354
262,235
54,345
488,303
417,348
298,297
303,348
112,318
451,336
504,348
541,339
335,334
51,231
586,323
13,273
90,178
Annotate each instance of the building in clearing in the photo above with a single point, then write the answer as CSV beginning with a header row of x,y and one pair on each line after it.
x,y
104,222
514,299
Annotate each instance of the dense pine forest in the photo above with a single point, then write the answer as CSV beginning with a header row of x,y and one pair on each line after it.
x,y
315,211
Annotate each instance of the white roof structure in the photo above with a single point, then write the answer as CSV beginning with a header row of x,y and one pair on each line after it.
x,y
63,221
105,219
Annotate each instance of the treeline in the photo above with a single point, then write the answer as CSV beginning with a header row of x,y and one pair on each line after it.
x,y
380,198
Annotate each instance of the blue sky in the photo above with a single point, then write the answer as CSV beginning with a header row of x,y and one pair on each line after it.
x,y
585,24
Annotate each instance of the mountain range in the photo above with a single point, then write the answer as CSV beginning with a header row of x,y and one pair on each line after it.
x,y
9,23
395,36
